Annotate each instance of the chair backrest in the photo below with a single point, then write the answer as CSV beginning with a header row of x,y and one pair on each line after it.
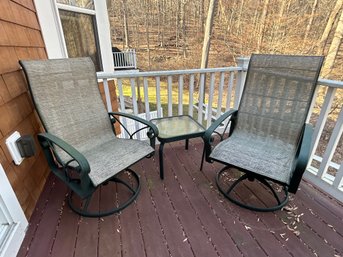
x,y
67,98
277,96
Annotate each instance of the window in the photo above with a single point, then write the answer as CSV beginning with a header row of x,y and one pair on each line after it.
x,y
79,29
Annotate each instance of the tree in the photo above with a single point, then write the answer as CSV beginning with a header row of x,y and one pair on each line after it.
x,y
310,21
262,25
334,47
208,32
328,27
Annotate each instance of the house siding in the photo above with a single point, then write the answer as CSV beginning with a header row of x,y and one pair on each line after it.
x,y
20,38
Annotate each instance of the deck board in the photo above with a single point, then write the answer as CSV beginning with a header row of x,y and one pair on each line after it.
x,y
184,215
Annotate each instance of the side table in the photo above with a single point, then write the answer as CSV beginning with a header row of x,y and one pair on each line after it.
x,y
176,128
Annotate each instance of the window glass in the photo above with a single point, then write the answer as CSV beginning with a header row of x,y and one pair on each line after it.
x,y
79,34
89,4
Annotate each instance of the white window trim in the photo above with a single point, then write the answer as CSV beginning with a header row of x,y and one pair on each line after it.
x,y
14,215
51,27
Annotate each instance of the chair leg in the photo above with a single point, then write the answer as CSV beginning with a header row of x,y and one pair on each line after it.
x,y
227,192
83,211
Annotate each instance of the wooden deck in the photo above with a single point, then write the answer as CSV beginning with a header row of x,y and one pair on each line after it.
x,y
185,215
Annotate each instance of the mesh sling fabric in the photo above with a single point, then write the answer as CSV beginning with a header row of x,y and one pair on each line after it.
x,y
273,109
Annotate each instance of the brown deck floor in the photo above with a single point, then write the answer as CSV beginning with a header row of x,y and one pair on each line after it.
x,y
185,215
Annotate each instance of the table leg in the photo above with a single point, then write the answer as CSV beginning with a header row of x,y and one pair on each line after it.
x,y
187,144
202,158
161,160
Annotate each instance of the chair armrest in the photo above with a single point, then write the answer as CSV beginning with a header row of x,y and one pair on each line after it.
x,y
153,130
208,133
47,140
302,157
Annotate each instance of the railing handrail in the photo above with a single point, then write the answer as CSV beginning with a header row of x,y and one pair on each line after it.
x,y
330,83
111,75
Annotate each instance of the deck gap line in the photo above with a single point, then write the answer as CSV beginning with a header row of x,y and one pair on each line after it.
x,y
119,222
157,214
41,216
139,221
261,220
214,212
237,216
177,217
58,225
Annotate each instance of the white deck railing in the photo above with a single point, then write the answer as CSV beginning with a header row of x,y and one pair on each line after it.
x,y
206,93
125,60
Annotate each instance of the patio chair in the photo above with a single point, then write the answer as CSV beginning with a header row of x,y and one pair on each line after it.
x,y
268,139
80,143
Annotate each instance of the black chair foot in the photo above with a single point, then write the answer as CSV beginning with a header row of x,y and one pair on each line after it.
x,y
228,190
83,209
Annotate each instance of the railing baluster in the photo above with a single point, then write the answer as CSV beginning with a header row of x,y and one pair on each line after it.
x,y
339,177
330,94
210,100
170,96
220,94
158,97
330,149
107,95
201,97
229,91
134,103
146,98
191,90
122,105
180,95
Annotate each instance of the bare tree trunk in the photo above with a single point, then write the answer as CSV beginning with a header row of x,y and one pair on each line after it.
x,y
183,27
239,25
126,28
333,15
262,24
208,32
310,21
201,16
334,47
278,25
147,13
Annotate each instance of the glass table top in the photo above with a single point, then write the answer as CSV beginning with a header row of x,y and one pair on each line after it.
x,y
177,126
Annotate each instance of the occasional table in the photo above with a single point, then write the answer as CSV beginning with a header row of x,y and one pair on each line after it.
x,y
176,128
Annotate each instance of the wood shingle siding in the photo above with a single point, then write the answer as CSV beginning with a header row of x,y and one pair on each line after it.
x,y
20,38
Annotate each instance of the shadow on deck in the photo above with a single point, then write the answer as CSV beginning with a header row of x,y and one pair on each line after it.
x,y
185,215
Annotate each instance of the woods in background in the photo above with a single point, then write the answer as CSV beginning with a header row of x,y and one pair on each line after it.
x,y
168,34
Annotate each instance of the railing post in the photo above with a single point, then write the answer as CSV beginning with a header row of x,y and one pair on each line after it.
x,y
241,62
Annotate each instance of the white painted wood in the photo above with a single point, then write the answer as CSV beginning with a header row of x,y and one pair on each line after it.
x,y
331,147
180,95
339,177
11,210
322,119
51,28
313,102
229,91
102,75
220,94
77,9
191,91
170,95
134,103
201,96
158,97
134,97
146,98
210,100
122,103
104,35
107,96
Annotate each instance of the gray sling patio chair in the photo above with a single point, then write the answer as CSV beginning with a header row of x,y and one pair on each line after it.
x,y
268,138
80,143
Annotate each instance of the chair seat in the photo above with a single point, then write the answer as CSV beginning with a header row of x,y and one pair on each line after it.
x,y
265,156
113,156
